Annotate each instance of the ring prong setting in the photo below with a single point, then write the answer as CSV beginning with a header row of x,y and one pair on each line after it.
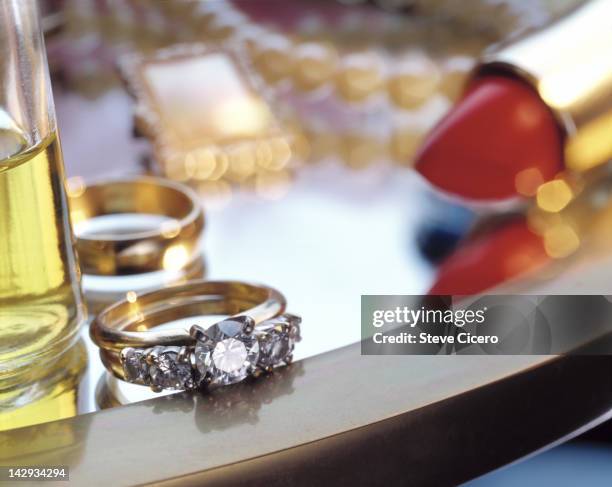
x,y
198,332
248,325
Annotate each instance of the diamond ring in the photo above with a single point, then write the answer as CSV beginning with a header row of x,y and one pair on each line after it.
x,y
257,337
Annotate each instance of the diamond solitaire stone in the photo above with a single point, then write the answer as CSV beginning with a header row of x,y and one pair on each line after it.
x,y
169,371
227,352
277,339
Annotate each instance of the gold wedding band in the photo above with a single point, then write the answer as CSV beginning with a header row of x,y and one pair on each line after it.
x,y
256,337
170,245
128,323
111,358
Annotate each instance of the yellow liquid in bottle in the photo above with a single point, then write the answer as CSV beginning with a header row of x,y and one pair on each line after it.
x,y
40,300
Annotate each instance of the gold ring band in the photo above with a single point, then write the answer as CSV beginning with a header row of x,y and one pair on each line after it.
x,y
212,306
128,323
256,337
171,245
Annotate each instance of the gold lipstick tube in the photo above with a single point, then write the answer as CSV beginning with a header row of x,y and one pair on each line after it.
x,y
569,64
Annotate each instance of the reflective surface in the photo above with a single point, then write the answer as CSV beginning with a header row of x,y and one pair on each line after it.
x,y
332,408
325,234
336,233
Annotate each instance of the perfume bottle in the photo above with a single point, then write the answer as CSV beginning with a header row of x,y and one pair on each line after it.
x,y
41,306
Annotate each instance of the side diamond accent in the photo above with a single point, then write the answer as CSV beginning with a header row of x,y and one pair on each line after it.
x,y
135,367
170,369
277,338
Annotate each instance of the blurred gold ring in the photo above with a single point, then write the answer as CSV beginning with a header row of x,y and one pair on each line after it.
x,y
128,323
171,245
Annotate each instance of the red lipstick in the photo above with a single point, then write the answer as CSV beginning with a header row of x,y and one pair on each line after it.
x,y
535,110
499,133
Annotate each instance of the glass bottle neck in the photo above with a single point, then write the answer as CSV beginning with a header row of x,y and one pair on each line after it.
x,y
26,106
